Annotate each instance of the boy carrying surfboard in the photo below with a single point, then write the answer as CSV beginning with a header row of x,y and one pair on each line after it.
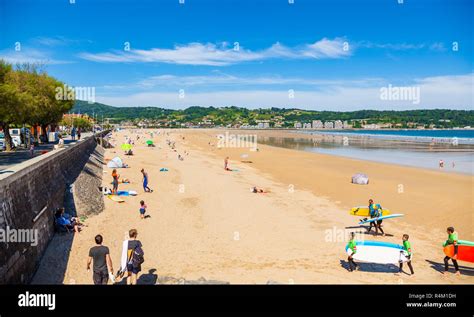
x,y
407,248
452,239
375,212
353,247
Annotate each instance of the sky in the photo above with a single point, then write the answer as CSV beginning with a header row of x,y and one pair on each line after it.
x,y
310,54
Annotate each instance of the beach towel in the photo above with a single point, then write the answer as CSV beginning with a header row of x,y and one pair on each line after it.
x,y
123,259
123,193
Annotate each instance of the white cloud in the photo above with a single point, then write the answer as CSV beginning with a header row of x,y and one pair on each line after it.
x,y
454,92
224,54
28,55
436,46
168,81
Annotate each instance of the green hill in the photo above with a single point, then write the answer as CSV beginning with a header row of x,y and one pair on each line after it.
x,y
441,118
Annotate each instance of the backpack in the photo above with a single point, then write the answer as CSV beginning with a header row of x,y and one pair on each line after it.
x,y
137,257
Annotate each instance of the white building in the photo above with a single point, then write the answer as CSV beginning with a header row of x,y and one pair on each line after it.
x,y
317,124
328,125
338,124
297,125
306,125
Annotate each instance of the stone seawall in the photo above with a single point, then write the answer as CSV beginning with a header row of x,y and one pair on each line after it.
x,y
29,197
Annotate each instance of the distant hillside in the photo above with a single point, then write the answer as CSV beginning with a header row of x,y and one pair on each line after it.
x,y
119,113
441,118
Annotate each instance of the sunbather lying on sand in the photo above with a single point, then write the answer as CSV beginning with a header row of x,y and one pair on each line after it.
x,y
259,190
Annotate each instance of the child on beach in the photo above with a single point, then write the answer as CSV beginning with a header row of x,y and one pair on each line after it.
x,y
353,247
142,209
115,181
452,239
375,212
407,248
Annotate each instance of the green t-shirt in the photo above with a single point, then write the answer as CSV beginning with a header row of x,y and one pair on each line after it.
x,y
352,245
452,237
407,246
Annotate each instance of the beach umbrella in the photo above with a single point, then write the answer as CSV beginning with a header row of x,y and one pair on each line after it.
x,y
126,146
149,142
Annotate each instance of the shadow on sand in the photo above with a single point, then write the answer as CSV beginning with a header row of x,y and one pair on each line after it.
x,y
439,266
372,267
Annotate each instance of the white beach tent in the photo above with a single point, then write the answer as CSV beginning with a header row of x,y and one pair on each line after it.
x,y
360,179
116,162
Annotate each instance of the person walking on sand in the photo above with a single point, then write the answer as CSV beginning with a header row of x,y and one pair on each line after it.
x,y
371,214
452,239
132,257
352,246
375,212
407,248
145,182
99,255
115,181
226,164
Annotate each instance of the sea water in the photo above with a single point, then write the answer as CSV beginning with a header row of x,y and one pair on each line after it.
x,y
403,147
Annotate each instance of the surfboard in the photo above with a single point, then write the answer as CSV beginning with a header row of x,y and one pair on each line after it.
x,y
123,193
132,193
379,252
381,218
116,198
465,251
363,211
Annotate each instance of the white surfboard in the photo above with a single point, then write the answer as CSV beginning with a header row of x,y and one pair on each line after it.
x,y
379,252
381,218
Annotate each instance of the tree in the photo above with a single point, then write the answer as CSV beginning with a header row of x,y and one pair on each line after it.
x,y
13,101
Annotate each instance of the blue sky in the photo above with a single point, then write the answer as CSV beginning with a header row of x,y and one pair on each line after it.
x,y
332,55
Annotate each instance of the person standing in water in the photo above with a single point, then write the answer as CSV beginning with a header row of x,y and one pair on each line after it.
x,y
145,182
407,248
352,246
115,181
452,239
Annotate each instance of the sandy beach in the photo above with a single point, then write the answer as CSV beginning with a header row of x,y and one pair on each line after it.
x,y
205,223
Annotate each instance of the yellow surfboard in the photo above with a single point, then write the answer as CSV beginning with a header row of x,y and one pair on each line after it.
x,y
363,211
116,198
